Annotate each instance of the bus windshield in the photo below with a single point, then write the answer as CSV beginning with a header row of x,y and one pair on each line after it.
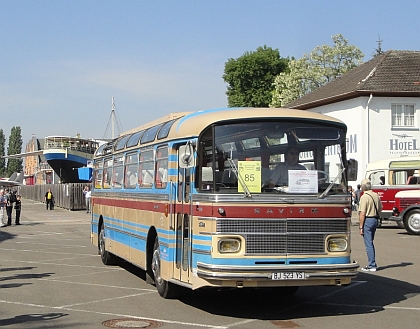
x,y
293,157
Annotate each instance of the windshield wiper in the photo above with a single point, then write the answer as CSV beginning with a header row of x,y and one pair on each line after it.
x,y
334,180
241,181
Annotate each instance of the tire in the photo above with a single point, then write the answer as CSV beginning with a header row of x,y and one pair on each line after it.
x,y
412,222
106,257
164,288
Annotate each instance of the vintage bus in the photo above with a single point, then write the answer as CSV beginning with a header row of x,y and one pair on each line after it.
x,y
187,198
390,176
407,211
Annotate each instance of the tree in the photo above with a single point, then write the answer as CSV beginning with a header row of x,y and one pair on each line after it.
x,y
250,77
322,65
2,154
15,147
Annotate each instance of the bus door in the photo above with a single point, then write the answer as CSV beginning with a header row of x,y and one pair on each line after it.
x,y
183,215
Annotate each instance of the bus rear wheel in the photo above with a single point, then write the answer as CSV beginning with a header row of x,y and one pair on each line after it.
x,y
164,288
412,222
106,257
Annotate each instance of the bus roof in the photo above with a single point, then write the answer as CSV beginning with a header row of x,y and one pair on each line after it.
x,y
192,123
408,162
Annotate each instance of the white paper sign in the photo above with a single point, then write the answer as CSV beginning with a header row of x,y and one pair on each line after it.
x,y
303,181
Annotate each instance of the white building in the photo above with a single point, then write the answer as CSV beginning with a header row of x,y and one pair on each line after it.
x,y
380,103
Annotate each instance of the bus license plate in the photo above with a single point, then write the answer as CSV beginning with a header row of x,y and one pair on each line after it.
x,y
288,276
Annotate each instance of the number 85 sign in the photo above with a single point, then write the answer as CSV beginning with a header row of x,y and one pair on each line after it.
x,y
250,172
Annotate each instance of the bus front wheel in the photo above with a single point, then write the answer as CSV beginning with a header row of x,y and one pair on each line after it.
x,y
412,222
164,288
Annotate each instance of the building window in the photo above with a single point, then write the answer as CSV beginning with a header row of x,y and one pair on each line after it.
x,y
402,115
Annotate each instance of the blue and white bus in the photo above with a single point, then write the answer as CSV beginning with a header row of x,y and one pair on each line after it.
x,y
187,198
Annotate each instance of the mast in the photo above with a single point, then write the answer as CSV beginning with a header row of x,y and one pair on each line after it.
x,y
113,121
113,118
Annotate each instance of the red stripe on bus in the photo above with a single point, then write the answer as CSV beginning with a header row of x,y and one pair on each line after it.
x,y
202,210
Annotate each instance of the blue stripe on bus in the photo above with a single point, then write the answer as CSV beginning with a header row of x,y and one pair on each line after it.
x,y
207,259
137,240
198,113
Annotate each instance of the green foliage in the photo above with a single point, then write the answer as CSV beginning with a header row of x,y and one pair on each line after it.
x,y
250,77
15,147
322,65
2,154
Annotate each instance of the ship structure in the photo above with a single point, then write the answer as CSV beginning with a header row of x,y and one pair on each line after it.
x,y
66,155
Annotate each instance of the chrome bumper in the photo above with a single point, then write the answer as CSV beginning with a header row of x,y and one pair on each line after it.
x,y
224,272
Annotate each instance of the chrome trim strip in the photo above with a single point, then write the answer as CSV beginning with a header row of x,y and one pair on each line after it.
x,y
202,252
224,272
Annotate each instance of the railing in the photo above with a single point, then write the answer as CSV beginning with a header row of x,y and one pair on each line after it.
x,y
68,196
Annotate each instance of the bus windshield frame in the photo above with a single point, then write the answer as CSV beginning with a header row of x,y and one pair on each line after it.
x,y
261,146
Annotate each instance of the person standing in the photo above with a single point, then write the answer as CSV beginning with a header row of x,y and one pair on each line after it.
x,y
9,206
357,194
88,194
2,206
370,207
18,207
49,199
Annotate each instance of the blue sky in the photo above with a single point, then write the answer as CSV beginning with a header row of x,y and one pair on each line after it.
x,y
61,62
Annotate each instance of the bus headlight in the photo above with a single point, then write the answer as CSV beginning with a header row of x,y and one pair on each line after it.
x,y
229,245
337,244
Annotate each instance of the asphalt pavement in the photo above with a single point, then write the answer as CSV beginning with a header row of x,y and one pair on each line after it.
x,y
52,277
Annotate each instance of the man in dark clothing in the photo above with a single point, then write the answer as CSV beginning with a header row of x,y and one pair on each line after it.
x,y
49,199
18,207
357,195
9,206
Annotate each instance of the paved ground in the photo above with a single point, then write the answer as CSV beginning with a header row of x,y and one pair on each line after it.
x,y
51,277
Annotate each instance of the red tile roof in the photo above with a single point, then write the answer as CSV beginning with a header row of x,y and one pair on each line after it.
x,y
393,73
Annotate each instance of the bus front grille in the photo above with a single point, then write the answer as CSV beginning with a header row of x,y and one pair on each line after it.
x,y
283,236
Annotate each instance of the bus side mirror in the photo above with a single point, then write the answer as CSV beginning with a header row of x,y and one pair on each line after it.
x,y
352,165
186,156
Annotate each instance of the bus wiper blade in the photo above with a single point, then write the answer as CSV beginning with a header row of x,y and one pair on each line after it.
x,y
241,181
331,184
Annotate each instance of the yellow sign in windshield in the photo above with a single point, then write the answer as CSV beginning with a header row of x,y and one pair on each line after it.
x,y
250,173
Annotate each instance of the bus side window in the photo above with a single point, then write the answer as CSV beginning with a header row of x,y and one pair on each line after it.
x,y
161,175
130,171
146,169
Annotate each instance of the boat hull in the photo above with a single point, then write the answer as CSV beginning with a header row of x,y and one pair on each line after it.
x,y
66,162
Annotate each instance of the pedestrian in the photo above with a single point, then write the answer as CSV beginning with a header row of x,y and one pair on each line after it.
x,y
351,193
357,194
49,199
88,194
9,206
18,207
370,207
2,206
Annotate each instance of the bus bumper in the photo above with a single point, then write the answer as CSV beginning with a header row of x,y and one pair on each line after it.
x,y
265,273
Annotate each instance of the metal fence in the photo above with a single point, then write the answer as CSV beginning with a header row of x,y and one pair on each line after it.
x,y
68,196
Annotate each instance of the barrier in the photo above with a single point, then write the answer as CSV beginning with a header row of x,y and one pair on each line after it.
x,y
68,196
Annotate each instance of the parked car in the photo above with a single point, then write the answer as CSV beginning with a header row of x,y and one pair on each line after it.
x,y
407,210
391,176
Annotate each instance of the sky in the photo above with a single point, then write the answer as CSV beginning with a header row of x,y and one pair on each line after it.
x,y
61,62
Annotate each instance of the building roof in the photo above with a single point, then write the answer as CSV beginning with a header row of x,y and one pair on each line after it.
x,y
393,73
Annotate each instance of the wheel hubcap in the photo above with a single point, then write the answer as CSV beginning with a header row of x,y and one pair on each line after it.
x,y
156,266
414,222
101,243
